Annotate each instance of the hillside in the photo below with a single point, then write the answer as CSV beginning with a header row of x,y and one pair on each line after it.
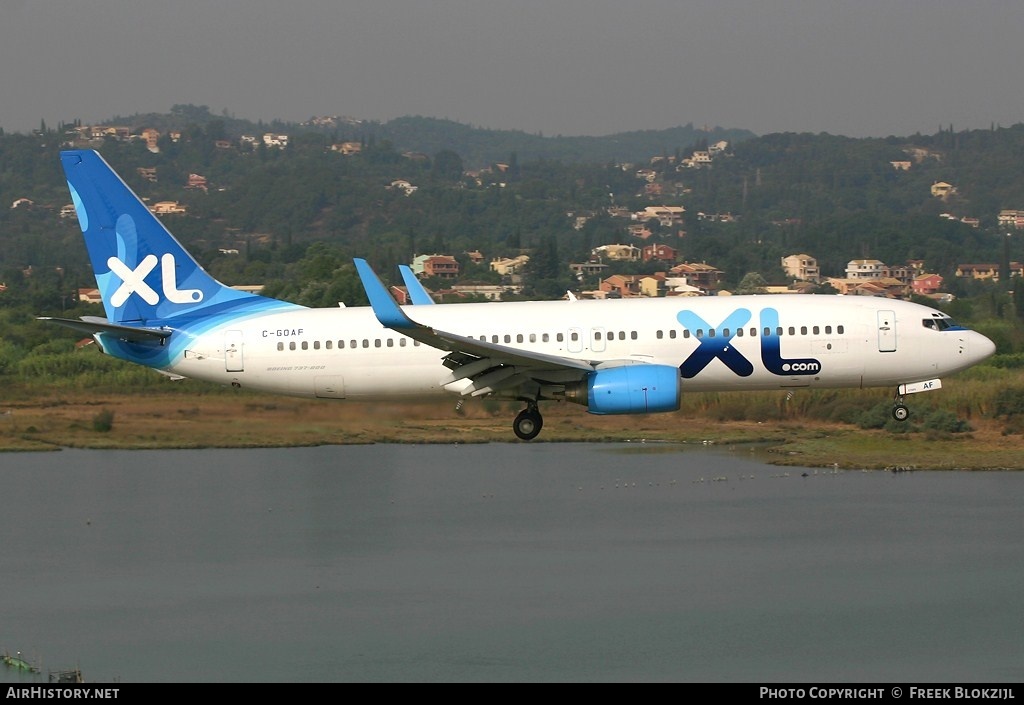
x,y
478,147
291,214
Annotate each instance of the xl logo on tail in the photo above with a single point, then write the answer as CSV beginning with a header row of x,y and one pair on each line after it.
x,y
133,281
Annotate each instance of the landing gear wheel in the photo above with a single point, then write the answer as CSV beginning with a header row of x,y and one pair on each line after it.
x,y
900,412
528,424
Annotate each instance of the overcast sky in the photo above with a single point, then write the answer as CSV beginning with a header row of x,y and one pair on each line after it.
x,y
571,67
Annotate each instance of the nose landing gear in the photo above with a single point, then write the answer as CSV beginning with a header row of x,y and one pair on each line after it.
x,y
900,412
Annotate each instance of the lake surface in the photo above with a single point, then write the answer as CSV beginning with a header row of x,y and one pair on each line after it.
x,y
505,562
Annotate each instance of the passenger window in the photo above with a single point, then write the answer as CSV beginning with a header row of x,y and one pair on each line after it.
x,y
686,333
711,332
328,344
792,330
305,345
803,330
700,333
366,343
391,343
574,336
508,338
533,337
828,330
401,342
816,330
280,346
545,337
839,330
316,344
291,345
739,332
753,332
672,334
767,332
560,337
632,335
659,335
494,339
519,338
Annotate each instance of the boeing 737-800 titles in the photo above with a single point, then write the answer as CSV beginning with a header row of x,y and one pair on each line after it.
x,y
625,356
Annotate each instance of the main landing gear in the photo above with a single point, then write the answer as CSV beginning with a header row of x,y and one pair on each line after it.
x,y
529,422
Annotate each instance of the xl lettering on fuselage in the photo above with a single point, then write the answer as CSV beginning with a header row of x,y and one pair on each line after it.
x,y
715,343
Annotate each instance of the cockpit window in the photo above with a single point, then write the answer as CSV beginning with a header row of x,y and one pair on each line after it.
x,y
939,323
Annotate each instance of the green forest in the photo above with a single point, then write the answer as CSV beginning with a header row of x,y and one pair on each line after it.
x,y
293,218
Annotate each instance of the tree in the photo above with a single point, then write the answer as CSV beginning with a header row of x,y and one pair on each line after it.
x,y
752,283
447,165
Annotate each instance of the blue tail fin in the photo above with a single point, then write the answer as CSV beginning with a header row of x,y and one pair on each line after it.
x,y
142,271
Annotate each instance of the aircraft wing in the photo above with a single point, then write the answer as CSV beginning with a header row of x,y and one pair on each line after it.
x,y
489,366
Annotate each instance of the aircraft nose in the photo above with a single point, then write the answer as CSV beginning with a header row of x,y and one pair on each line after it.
x,y
980,347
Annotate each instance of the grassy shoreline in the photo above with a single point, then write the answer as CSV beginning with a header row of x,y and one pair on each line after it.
x,y
190,420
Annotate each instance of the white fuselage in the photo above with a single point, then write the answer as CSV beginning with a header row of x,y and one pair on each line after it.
x,y
787,341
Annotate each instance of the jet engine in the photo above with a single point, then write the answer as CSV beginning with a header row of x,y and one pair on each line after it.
x,y
630,389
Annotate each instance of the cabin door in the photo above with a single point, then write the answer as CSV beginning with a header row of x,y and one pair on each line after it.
x,y
233,351
886,331
597,338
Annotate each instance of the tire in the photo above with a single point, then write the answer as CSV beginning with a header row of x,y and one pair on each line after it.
x,y
900,412
527,424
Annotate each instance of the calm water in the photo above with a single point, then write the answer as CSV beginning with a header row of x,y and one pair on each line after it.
x,y
518,562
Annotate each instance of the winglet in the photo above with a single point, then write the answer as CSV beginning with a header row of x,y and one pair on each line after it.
x,y
417,293
387,310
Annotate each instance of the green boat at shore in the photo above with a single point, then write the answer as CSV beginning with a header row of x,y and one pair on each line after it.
x,y
18,663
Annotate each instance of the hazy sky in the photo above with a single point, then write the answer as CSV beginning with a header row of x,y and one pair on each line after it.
x,y
571,67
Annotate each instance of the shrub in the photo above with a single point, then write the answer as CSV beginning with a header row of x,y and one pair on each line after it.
x,y
947,422
1010,402
103,421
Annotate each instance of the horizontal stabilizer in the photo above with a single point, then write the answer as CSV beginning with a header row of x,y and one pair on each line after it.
x,y
92,325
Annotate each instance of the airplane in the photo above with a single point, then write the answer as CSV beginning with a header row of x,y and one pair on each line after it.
x,y
628,356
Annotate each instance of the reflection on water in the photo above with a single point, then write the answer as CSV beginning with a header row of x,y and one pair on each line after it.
x,y
504,562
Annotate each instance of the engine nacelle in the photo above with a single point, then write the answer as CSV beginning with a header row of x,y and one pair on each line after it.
x,y
630,389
